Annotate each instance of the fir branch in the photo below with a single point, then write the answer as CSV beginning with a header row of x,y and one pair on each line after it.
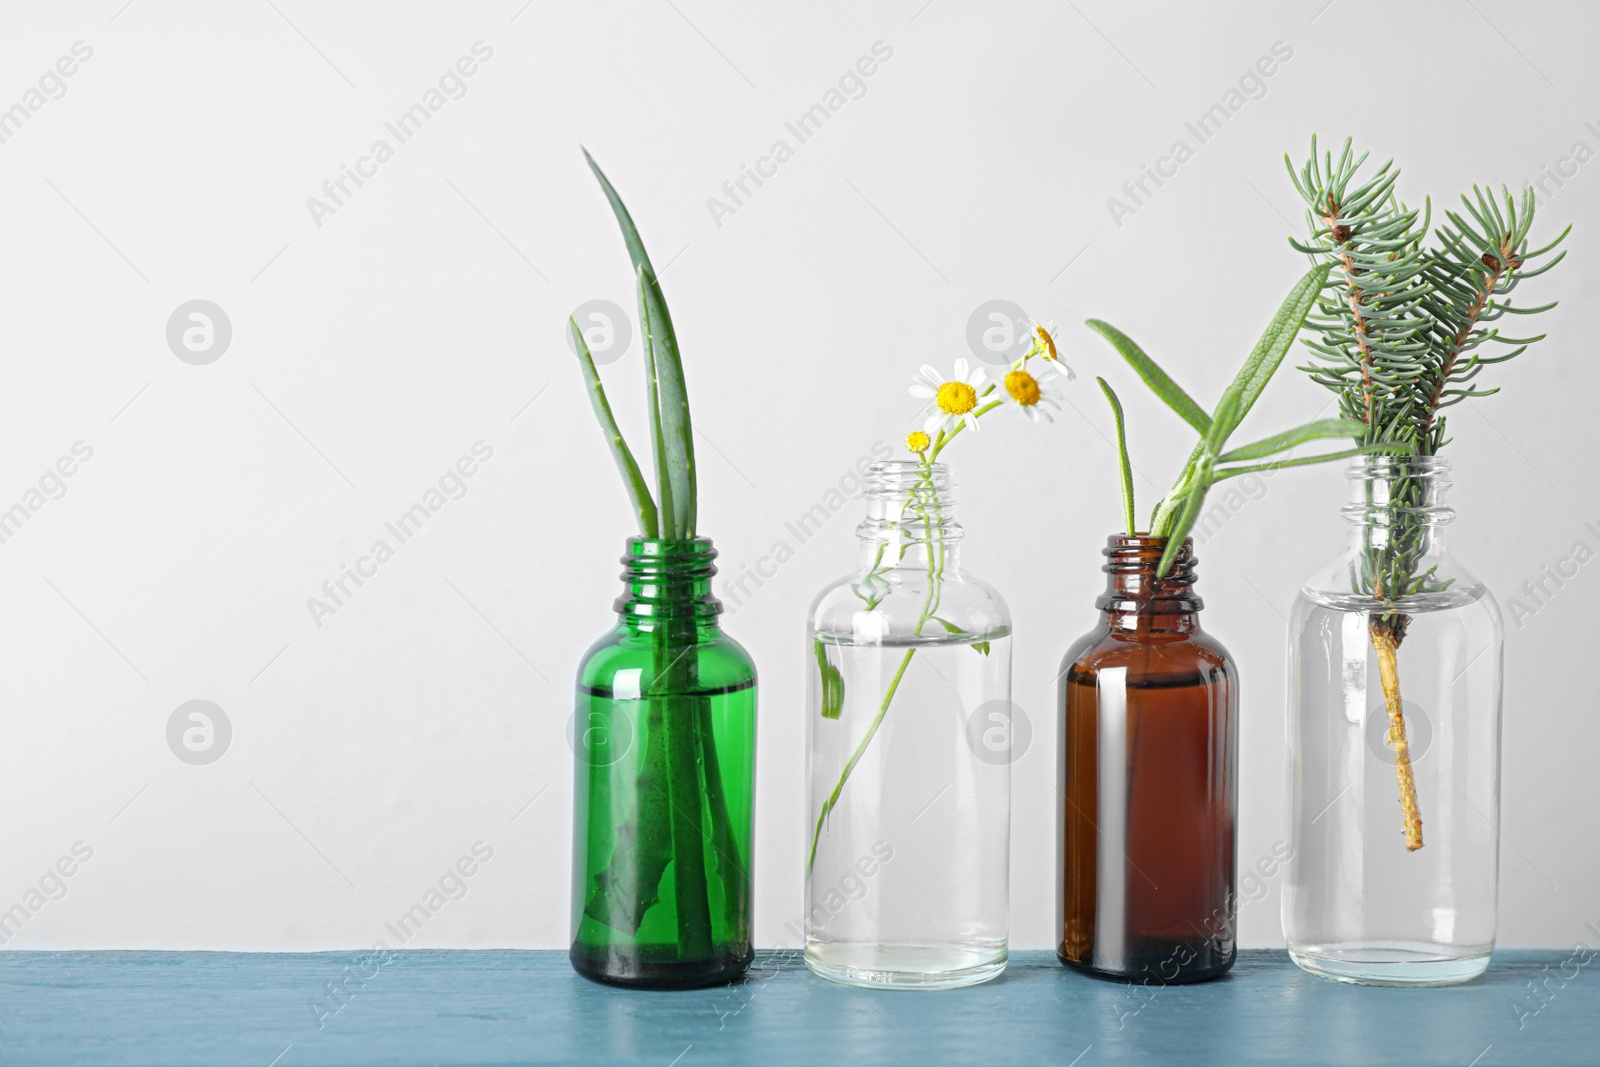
x,y
1368,322
1402,327
1402,332
1472,273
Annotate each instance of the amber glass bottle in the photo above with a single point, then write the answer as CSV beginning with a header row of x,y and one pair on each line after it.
x,y
1148,769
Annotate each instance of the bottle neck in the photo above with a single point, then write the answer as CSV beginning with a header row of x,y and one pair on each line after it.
x,y
1136,599
668,583
1397,505
910,517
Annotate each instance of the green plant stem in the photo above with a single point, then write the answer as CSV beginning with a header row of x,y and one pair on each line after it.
x,y
930,606
855,757
1166,513
944,439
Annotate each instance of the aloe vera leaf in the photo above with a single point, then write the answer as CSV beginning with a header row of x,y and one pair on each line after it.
x,y
674,679
644,507
642,844
735,910
665,483
661,345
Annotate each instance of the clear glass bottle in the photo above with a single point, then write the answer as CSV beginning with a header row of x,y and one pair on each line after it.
x,y
1148,768
909,726
664,735
1395,654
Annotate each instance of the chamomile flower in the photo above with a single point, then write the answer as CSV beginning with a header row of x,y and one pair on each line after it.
x,y
952,401
1035,400
1044,346
918,442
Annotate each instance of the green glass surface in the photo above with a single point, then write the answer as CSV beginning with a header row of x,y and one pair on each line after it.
x,y
664,734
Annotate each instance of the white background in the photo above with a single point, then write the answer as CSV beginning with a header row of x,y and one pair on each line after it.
x,y
426,314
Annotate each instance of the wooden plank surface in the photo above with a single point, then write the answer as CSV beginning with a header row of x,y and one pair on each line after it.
x,y
500,1007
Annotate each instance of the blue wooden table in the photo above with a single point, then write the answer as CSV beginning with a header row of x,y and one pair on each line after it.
x,y
509,1008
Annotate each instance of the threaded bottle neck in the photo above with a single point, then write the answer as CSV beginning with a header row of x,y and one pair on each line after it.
x,y
1396,490
668,581
909,501
1132,587
1397,504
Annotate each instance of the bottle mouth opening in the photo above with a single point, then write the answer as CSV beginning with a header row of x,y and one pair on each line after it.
x,y
669,548
1143,549
1383,466
1136,541
895,479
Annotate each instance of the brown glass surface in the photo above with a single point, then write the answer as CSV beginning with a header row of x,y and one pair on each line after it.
x,y
1159,696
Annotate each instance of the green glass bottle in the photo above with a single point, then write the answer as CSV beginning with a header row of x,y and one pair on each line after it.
x,y
664,789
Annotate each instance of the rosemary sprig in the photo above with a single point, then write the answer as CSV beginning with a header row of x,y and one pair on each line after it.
x,y
1175,515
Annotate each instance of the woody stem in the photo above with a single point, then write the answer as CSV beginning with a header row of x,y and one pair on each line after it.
x,y
1383,641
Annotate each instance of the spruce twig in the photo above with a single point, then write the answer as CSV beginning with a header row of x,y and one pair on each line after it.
x,y
1401,328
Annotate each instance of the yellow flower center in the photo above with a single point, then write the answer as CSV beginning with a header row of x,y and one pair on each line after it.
x,y
1047,341
917,441
956,398
1023,388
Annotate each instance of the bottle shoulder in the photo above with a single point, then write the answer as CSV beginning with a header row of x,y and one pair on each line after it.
x,y
900,602
626,657
1442,583
1167,657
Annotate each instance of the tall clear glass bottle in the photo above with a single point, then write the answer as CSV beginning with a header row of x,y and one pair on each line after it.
x,y
1395,660
1148,770
909,726
664,735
